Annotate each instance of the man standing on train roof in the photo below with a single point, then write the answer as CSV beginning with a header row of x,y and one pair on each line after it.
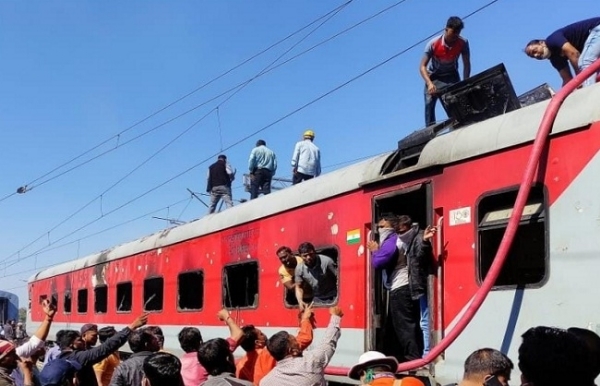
x,y
262,165
220,176
439,66
306,160
319,272
577,44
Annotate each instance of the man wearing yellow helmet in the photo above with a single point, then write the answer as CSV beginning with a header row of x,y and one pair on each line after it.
x,y
306,160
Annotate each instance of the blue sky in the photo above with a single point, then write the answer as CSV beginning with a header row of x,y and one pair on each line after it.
x,y
75,73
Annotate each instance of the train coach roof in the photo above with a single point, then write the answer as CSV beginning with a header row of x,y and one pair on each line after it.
x,y
504,131
329,185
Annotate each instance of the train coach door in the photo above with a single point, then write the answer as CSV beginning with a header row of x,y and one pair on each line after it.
x,y
414,201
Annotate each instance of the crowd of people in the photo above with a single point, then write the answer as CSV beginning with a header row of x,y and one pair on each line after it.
x,y
262,165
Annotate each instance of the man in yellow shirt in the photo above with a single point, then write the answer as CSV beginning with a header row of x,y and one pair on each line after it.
x,y
104,369
286,271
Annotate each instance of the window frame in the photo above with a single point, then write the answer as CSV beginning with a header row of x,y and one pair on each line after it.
x,y
117,297
87,301
144,300
337,262
179,309
70,293
96,288
502,225
223,287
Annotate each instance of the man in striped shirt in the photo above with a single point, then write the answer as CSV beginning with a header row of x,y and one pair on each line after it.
x,y
295,368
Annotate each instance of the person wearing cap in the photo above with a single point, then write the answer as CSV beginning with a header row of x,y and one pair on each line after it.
x,y
375,369
262,165
306,160
220,176
61,372
72,348
89,334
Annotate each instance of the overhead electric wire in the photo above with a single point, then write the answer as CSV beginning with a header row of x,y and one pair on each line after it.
x,y
35,254
29,186
293,112
234,88
100,196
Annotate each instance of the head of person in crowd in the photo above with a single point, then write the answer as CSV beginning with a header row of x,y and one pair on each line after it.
x,y
253,338
162,369
8,356
591,340
216,357
143,340
537,49
190,339
283,345
106,333
71,340
308,253
484,364
286,257
454,27
552,356
158,332
261,142
89,334
309,134
370,364
60,372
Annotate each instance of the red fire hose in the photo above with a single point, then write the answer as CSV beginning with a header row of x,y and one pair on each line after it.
x,y
511,229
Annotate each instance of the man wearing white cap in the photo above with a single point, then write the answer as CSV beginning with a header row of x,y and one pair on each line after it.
x,y
375,369
306,160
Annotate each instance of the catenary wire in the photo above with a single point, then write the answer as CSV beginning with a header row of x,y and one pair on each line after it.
x,y
234,88
293,112
117,136
100,196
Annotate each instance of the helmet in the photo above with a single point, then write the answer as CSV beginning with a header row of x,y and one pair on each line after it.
x,y
309,133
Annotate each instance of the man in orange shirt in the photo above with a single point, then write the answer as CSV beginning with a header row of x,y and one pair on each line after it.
x,y
258,361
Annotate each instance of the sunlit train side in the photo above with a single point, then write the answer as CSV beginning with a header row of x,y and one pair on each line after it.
x,y
465,181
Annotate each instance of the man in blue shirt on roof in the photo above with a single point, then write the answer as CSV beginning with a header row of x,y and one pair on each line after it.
x,y
262,165
577,44
306,160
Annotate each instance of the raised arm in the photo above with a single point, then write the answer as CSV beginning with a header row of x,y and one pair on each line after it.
x,y
235,332
324,352
305,335
37,340
96,354
381,256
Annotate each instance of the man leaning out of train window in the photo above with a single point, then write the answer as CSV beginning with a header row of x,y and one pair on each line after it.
x,y
319,272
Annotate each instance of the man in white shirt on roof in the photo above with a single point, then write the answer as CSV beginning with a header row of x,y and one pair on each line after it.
x,y
306,161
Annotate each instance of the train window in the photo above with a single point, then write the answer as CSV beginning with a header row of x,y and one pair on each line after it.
x,y
124,297
290,296
54,300
190,291
240,285
526,263
101,299
82,301
153,294
67,302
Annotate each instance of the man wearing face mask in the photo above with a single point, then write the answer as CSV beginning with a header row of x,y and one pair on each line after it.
x,y
577,44
404,257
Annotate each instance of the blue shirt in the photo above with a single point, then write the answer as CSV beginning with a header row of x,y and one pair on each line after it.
x,y
51,354
576,34
261,157
307,158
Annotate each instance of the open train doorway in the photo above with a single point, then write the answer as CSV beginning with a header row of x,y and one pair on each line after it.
x,y
414,201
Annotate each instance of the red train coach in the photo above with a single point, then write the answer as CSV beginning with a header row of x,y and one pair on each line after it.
x,y
465,181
